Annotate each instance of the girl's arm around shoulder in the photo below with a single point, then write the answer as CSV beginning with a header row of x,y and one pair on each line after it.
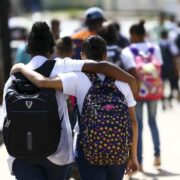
x,y
36,78
111,70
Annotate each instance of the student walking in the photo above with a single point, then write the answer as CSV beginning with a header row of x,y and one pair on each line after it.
x,y
107,121
143,60
109,33
169,69
94,17
40,47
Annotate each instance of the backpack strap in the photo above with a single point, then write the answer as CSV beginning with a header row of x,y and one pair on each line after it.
x,y
46,68
93,77
24,85
109,81
134,51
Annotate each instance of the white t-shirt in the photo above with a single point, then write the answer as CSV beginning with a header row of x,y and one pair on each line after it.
x,y
64,153
173,48
77,84
128,58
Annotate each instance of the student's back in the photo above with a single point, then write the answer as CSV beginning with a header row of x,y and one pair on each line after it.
x,y
87,89
109,33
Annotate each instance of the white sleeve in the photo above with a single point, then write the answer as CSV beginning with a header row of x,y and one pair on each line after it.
x,y
158,54
68,65
174,49
127,59
69,83
126,90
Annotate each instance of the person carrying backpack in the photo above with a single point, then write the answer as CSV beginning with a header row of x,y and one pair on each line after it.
x,y
169,69
53,163
144,60
109,33
107,132
94,17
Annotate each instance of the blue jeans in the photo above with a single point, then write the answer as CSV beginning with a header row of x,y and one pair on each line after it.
x,y
39,170
92,172
151,109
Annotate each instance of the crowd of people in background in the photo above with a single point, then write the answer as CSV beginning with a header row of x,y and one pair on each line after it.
x,y
161,43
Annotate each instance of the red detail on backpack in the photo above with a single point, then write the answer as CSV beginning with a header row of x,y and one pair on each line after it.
x,y
149,73
108,107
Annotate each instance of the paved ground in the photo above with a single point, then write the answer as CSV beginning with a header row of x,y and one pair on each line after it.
x,y
169,124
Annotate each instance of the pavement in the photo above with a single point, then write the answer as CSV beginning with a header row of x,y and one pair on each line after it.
x,y
169,127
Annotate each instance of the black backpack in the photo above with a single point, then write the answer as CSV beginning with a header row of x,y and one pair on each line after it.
x,y
113,55
32,127
177,41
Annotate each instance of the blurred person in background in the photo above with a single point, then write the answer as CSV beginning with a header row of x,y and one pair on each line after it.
x,y
171,26
64,47
122,41
169,68
94,17
55,28
156,31
129,57
110,34
177,40
22,56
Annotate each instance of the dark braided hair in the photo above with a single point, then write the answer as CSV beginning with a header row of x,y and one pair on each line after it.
x,y
94,47
40,39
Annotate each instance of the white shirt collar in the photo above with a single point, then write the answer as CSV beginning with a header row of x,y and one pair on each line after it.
x,y
36,62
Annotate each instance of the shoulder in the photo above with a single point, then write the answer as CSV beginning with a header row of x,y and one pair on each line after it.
x,y
126,50
123,87
74,76
82,34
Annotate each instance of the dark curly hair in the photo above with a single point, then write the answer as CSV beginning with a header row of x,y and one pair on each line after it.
x,y
40,39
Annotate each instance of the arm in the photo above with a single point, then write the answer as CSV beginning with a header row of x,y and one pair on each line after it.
x,y
36,78
111,70
133,72
133,153
87,66
133,162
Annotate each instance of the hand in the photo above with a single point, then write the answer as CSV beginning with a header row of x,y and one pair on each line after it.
x,y
17,68
132,166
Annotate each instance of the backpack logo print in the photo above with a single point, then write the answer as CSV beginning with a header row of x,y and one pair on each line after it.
x,y
29,104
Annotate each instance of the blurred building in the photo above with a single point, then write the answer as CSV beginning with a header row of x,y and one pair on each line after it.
x,y
142,7
61,4
130,7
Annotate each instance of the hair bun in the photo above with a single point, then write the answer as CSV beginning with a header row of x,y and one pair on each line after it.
x,y
141,22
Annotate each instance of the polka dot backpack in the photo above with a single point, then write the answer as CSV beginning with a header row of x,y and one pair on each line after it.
x,y
105,126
